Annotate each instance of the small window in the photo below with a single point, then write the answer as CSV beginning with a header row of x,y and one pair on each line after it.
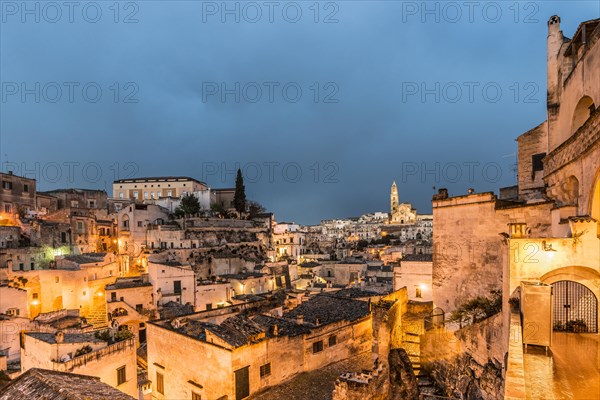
x,y
196,396
160,383
332,340
536,161
35,296
26,188
113,296
57,279
318,346
7,208
139,224
121,375
120,195
265,370
418,293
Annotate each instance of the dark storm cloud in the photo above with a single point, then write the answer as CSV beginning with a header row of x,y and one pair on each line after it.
x,y
333,152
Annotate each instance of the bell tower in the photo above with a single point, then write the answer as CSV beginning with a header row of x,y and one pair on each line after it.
x,y
394,198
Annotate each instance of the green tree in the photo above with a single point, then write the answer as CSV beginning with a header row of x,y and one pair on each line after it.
x,y
189,205
239,197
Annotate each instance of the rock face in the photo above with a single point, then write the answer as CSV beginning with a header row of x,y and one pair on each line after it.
x,y
403,383
464,378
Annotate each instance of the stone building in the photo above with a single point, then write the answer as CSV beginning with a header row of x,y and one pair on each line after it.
x,y
17,194
245,353
546,230
77,282
129,305
78,198
140,189
85,354
413,271
39,383
171,281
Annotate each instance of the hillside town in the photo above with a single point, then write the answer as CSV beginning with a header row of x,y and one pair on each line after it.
x,y
166,288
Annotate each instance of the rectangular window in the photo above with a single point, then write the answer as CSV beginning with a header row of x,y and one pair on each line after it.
x,y
139,224
63,237
177,287
7,208
135,195
160,383
536,161
196,396
332,340
318,346
145,195
120,195
113,296
26,188
121,376
418,293
35,296
265,370
7,185
169,193
80,226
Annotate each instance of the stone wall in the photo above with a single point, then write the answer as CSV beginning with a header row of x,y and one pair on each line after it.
x,y
467,363
373,385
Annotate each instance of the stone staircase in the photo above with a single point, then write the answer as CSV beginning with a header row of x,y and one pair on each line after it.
x,y
98,316
411,342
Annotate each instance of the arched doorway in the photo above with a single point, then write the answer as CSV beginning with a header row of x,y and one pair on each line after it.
x,y
575,308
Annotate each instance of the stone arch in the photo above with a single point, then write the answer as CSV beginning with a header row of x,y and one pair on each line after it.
x,y
584,108
125,222
588,277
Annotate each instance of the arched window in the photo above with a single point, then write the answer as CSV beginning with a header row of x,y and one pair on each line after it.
x,y
583,111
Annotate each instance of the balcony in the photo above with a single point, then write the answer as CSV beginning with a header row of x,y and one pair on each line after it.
x,y
94,355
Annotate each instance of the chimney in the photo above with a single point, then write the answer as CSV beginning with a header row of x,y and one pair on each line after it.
x,y
317,321
470,191
300,319
10,172
555,41
275,330
59,336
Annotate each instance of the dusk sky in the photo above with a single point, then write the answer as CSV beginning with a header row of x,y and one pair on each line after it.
x,y
322,105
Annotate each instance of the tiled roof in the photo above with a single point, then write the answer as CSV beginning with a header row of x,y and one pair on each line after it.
x,y
285,327
68,337
127,283
329,309
53,385
417,257
355,293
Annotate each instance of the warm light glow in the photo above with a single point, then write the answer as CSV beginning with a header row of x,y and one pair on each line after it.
x,y
35,302
423,287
